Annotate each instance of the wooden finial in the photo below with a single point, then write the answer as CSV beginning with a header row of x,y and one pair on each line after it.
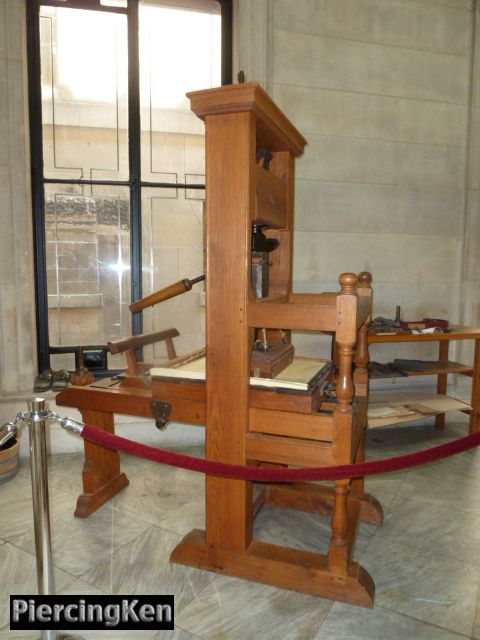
x,y
364,279
348,282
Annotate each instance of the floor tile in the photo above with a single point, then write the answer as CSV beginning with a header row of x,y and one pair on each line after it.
x,y
427,578
384,487
476,621
301,530
18,575
78,544
16,504
164,494
176,634
453,482
79,587
397,439
345,622
65,474
24,467
233,608
423,585
143,567
433,527
5,634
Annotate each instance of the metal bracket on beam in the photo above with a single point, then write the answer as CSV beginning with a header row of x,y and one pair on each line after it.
x,y
161,412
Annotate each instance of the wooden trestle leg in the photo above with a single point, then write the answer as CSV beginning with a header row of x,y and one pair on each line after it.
x,y
102,477
475,413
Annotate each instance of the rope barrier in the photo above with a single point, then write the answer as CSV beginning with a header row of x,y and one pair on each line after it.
x,y
265,474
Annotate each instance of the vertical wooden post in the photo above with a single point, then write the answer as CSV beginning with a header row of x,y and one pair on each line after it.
x,y
475,414
338,549
443,348
283,166
361,353
345,337
230,153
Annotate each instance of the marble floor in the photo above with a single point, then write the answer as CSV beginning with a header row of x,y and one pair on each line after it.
x,y
424,560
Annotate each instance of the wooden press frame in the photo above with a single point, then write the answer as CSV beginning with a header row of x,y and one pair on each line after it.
x,y
239,119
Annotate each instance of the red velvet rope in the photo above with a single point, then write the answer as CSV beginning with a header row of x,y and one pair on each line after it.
x,y
265,474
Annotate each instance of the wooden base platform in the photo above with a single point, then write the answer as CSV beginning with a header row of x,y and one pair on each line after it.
x,y
285,567
279,566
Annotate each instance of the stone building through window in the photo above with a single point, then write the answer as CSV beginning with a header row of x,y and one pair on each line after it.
x,y
119,161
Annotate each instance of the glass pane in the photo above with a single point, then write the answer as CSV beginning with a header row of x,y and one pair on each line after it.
x,y
180,51
172,229
84,93
88,265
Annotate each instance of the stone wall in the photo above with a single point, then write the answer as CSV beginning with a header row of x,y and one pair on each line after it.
x,y
386,93
17,322
471,247
381,90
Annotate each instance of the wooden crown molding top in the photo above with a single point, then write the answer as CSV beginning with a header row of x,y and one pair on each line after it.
x,y
273,127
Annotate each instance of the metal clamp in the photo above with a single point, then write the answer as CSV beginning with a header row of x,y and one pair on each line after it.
x,y
161,413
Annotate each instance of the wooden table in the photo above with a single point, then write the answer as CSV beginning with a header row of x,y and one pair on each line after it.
x,y
99,401
445,366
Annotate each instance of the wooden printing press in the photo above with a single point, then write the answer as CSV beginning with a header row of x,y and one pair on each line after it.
x,y
250,418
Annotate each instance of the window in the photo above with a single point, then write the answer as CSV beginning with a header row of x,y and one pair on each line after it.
x,y
118,164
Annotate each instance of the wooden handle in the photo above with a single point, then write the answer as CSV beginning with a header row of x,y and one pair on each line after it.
x,y
163,294
136,342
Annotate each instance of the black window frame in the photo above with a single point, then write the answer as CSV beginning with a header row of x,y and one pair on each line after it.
x,y
134,182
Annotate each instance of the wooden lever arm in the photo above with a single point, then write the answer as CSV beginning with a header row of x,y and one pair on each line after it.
x,y
165,294
136,342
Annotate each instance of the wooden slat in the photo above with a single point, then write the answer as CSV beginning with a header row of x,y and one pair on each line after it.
x,y
136,342
259,495
283,166
292,316
188,411
293,451
319,498
131,402
322,299
281,401
282,423
456,332
173,390
313,498
270,199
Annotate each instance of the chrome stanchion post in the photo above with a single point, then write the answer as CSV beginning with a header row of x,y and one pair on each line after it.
x,y
41,508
